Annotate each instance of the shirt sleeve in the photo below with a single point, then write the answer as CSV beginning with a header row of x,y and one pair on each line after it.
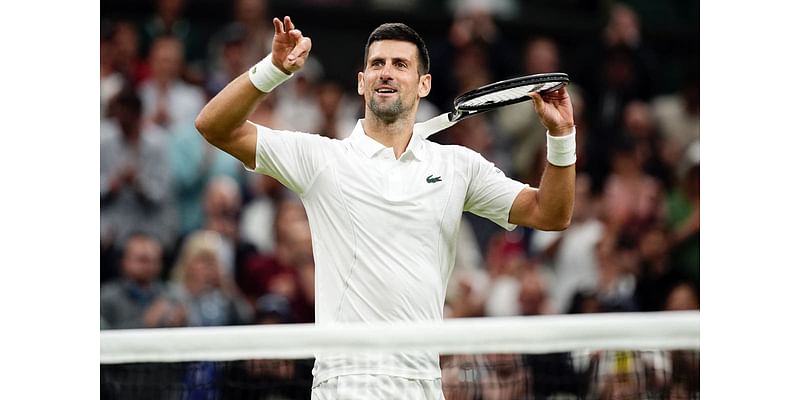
x,y
490,193
295,159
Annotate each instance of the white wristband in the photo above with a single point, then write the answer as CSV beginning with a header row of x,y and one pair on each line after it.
x,y
561,150
265,76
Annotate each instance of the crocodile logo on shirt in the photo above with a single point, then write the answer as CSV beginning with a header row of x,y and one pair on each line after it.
x,y
433,179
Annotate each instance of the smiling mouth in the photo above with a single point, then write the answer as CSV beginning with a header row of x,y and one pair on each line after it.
x,y
385,90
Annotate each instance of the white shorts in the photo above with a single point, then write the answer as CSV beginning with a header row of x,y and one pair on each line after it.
x,y
377,387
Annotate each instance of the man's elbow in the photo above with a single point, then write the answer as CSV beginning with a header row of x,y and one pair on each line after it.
x,y
556,224
201,123
207,129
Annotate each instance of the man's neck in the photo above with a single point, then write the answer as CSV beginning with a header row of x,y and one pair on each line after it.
x,y
396,134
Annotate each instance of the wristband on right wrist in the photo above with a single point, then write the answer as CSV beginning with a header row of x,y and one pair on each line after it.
x,y
562,150
265,76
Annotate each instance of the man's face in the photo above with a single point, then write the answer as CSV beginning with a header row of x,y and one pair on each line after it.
x,y
166,59
142,260
391,84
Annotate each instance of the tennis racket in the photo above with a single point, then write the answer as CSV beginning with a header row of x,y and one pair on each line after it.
x,y
491,97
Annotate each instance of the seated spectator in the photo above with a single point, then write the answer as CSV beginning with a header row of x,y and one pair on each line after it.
x,y
111,80
138,299
533,293
677,116
571,254
211,298
683,216
656,273
252,19
231,60
638,124
632,200
168,100
683,296
258,216
193,164
134,176
521,127
223,206
169,20
616,282
126,59
289,270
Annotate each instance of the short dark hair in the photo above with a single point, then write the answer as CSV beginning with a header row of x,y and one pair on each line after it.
x,y
404,33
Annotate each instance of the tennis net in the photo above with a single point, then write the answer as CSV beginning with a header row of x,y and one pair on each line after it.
x,y
587,356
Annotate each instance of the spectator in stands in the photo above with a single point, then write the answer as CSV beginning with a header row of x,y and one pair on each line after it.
x,y
632,200
639,126
677,116
616,282
683,296
289,270
125,41
297,105
168,20
571,253
337,109
683,216
138,298
198,282
231,62
223,205
619,68
134,175
258,215
533,293
193,163
111,80
474,53
169,101
250,20
656,274
525,134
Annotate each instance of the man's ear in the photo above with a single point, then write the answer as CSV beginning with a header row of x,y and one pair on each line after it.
x,y
361,83
424,87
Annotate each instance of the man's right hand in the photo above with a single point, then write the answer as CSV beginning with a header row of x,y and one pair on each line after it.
x,y
289,47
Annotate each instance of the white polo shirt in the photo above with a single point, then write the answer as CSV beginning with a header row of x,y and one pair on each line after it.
x,y
383,229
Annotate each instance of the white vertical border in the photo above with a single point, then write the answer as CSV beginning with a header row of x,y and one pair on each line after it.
x,y
750,199
49,208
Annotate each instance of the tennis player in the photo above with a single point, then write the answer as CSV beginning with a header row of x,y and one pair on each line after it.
x,y
384,204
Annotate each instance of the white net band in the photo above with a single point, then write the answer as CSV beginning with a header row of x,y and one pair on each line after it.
x,y
531,335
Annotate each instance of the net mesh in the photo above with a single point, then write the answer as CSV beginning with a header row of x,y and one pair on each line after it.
x,y
485,368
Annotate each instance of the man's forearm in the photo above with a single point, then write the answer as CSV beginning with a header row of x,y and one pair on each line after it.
x,y
556,196
228,110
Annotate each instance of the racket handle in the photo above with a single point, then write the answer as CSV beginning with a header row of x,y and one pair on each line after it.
x,y
434,125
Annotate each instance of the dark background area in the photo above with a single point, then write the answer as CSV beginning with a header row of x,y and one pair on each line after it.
x,y
670,27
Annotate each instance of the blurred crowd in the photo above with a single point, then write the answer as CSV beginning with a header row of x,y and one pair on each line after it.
x,y
190,238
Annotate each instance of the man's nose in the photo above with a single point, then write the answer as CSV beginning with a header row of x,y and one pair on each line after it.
x,y
386,73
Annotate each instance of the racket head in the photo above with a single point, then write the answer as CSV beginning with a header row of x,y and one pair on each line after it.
x,y
510,91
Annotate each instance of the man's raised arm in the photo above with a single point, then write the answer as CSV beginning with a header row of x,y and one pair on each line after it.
x,y
550,206
223,121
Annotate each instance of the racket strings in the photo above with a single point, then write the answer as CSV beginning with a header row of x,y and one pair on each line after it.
x,y
505,95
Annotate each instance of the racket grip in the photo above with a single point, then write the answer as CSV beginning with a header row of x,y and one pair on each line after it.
x,y
433,125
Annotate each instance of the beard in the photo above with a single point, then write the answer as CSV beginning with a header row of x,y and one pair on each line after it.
x,y
387,112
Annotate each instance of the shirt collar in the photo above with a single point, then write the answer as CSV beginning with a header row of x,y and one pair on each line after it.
x,y
371,147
